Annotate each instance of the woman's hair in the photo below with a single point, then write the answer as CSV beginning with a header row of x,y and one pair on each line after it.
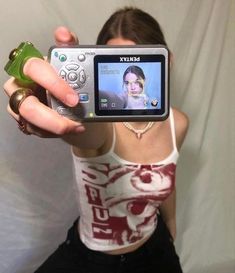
x,y
132,24
137,71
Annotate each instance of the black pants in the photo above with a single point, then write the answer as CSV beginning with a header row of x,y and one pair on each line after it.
x,y
157,255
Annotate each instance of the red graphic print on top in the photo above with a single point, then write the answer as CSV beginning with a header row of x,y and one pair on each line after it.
x,y
124,199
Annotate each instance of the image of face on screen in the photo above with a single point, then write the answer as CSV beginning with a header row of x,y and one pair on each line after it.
x,y
133,86
129,86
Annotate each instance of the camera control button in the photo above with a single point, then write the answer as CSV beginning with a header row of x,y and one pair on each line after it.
x,y
72,76
72,67
82,76
62,58
63,74
81,57
63,111
83,97
74,85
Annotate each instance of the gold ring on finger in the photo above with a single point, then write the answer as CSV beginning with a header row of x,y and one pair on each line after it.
x,y
18,97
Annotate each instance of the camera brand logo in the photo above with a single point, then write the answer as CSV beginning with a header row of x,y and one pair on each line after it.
x,y
130,59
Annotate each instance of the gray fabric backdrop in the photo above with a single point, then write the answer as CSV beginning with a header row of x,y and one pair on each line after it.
x,y
37,200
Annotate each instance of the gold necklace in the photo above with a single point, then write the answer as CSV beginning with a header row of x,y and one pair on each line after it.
x,y
138,132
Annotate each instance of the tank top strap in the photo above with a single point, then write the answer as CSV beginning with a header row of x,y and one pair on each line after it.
x,y
172,125
114,139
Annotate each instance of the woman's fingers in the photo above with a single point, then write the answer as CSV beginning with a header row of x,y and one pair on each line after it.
x,y
10,86
41,116
44,74
65,37
38,118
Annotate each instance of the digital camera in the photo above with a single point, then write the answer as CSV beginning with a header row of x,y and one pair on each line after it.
x,y
114,83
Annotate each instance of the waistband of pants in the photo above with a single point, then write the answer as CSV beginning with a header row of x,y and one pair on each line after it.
x,y
155,241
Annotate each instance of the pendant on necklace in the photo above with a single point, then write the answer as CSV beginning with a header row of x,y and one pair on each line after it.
x,y
138,134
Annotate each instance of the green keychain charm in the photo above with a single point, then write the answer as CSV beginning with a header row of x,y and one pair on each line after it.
x,y
18,58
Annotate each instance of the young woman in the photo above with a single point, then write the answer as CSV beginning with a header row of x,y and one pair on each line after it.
x,y
126,184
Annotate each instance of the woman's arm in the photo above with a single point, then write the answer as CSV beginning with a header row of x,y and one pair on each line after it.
x,y
93,137
41,120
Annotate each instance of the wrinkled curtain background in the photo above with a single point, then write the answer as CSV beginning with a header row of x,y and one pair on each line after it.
x,y
37,200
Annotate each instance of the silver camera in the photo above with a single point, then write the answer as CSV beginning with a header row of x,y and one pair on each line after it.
x,y
114,83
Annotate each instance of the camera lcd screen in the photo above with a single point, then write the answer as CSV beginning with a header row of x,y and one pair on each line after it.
x,y
127,85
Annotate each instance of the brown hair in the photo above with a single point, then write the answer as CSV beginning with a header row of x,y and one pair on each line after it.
x,y
132,24
137,71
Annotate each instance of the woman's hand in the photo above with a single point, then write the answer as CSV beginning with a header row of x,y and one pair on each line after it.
x,y
36,117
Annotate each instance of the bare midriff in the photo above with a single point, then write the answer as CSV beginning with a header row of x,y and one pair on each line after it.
x,y
127,249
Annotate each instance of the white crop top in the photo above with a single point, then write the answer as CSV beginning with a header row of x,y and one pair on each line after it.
x,y
118,199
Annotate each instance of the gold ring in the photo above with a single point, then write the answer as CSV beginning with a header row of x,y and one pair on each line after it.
x,y
18,97
22,125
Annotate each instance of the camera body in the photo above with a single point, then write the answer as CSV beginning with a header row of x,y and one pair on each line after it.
x,y
18,58
114,83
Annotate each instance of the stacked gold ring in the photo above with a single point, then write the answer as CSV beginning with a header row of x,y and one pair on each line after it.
x,y
18,97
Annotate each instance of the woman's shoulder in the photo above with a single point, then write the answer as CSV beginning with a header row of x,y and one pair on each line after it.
x,y
180,117
181,121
